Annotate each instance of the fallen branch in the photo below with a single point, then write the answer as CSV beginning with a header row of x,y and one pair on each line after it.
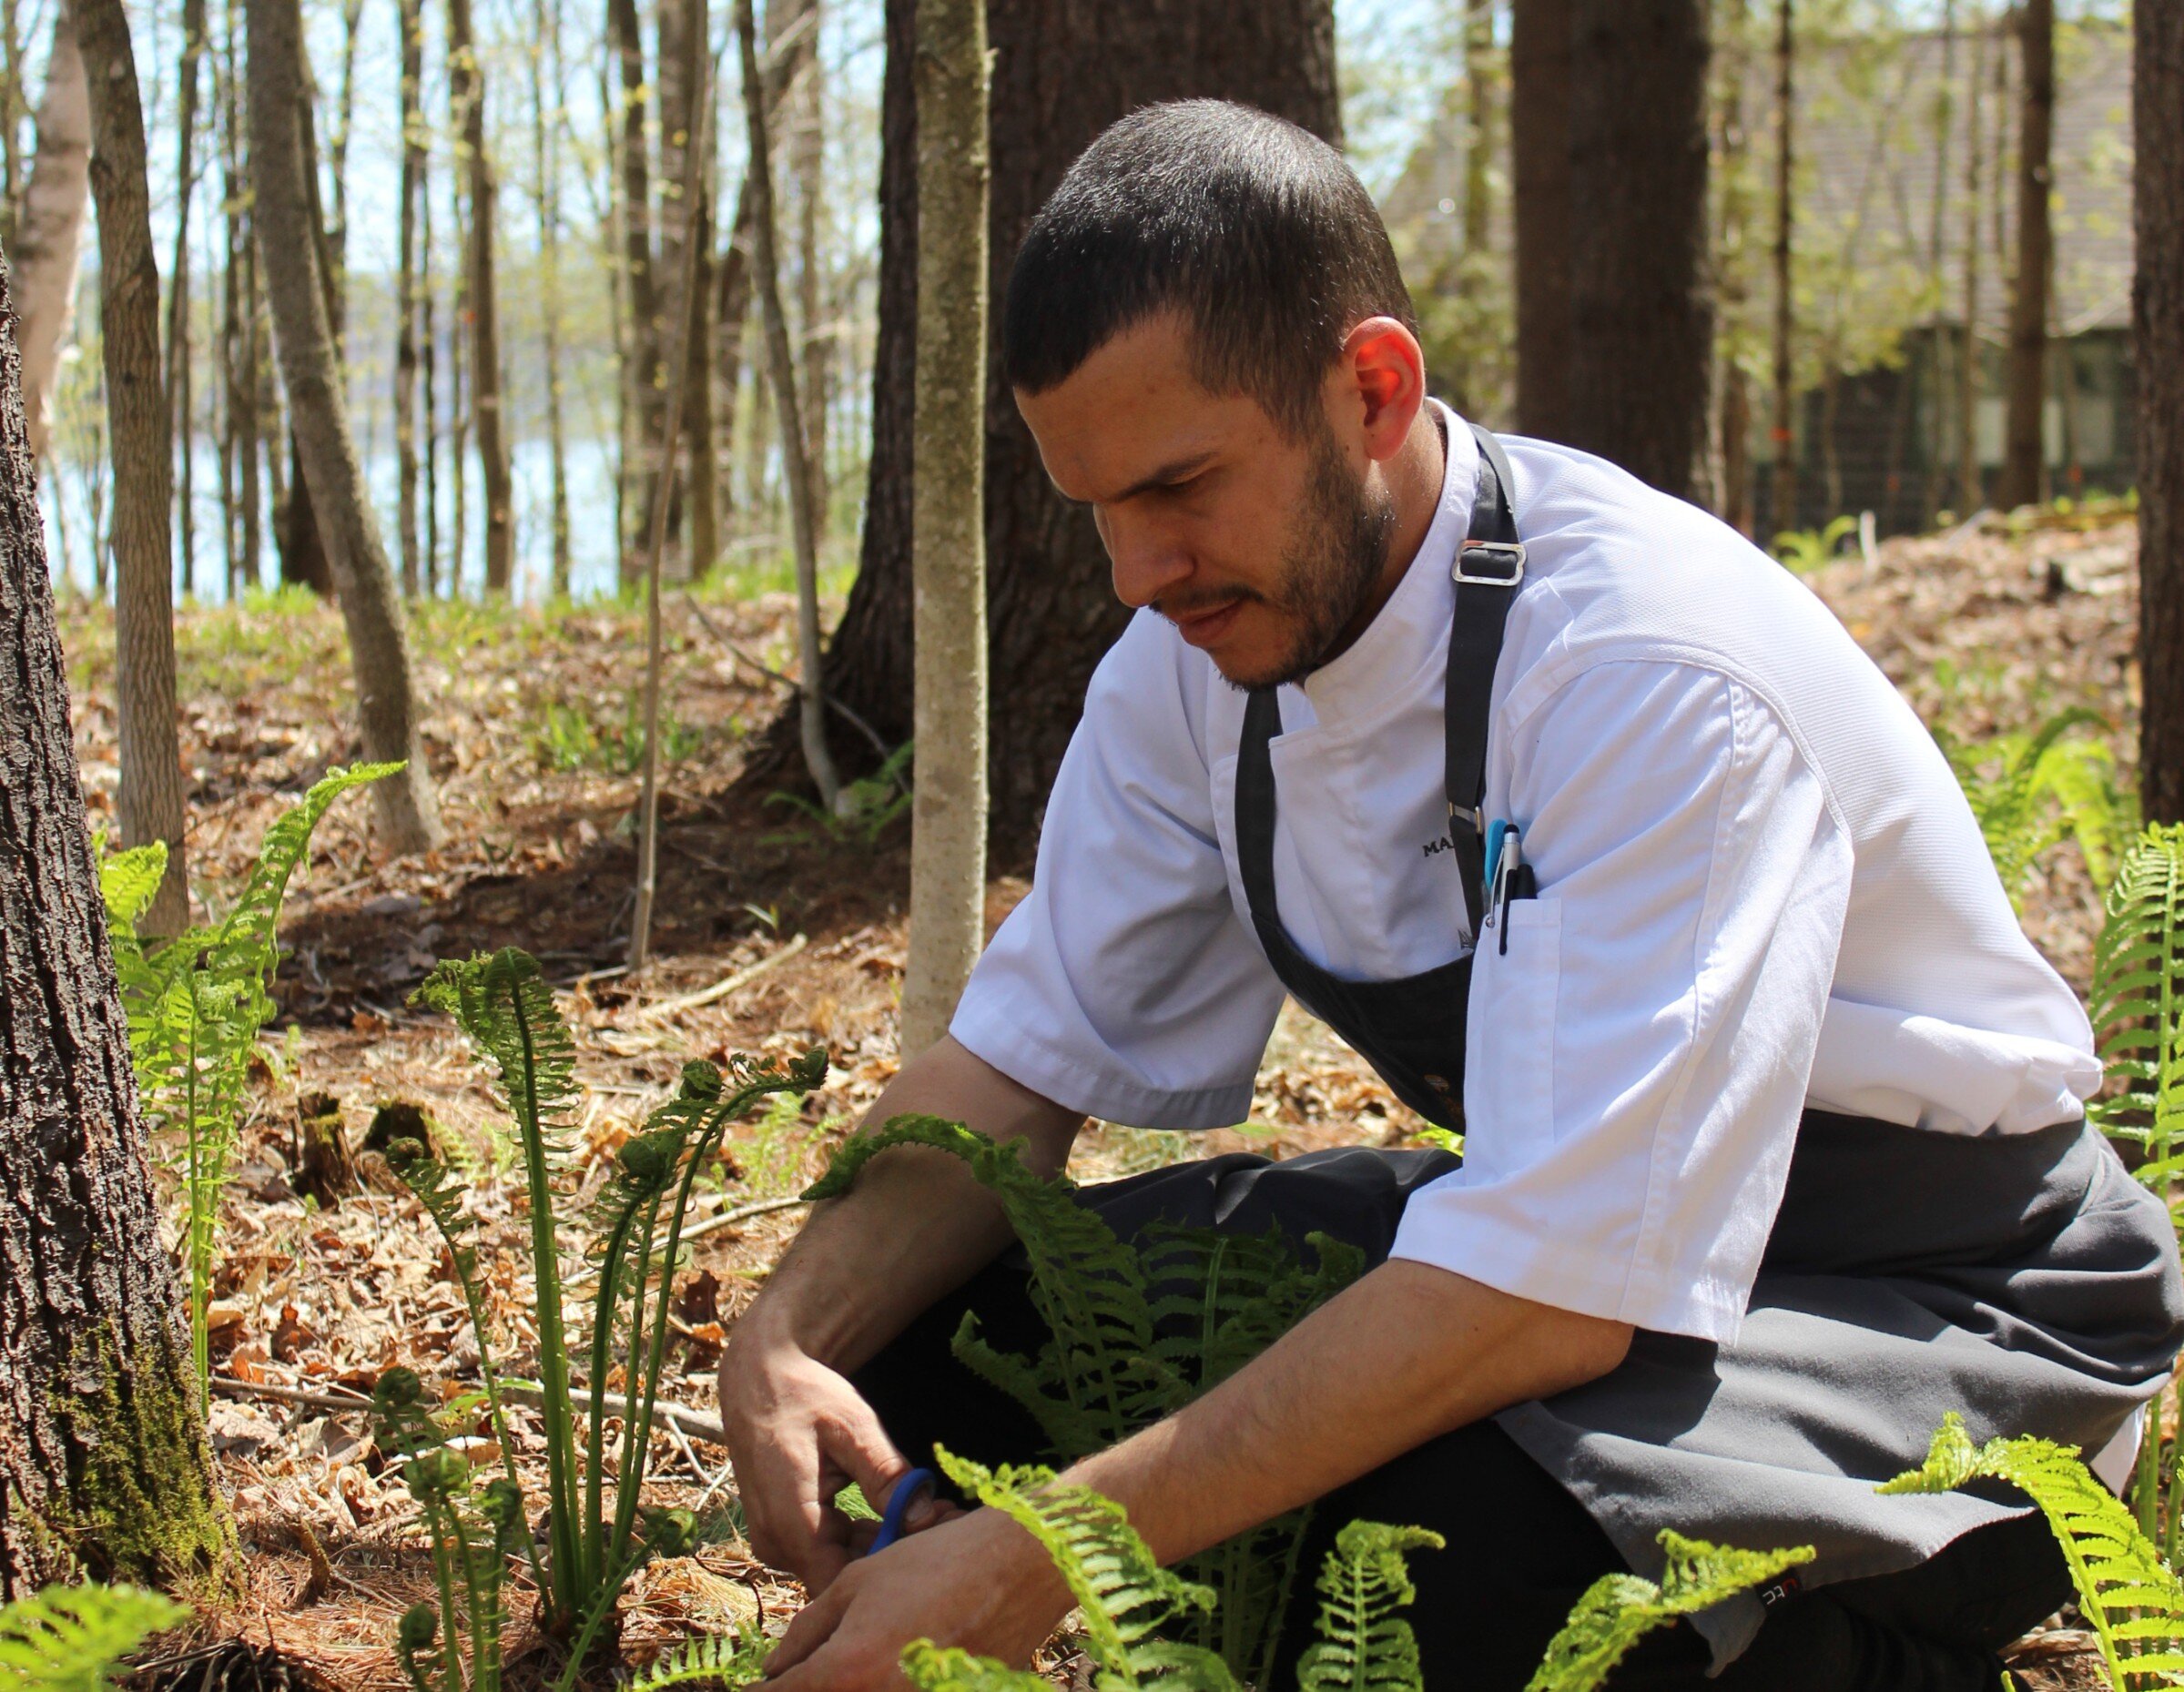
x,y
617,1403
721,989
228,1386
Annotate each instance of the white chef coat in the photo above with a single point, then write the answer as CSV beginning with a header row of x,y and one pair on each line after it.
x,y
1760,887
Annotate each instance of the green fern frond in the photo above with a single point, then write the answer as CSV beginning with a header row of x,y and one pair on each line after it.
x,y
1363,1645
1618,1610
128,883
1126,1598
728,1661
1086,1283
69,1638
501,1001
2028,790
2137,1002
932,1667
2134,1604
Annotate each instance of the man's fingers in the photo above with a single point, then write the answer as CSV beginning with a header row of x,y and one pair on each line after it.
x,y
854,1439
809,1628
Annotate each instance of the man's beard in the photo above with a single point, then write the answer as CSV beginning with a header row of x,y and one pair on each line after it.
x,y
1330,569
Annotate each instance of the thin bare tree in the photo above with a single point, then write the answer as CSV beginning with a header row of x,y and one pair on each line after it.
x,y
643,389
466,92
280,100
948,517
150,805
178,324
406,305
1781,501
796,466
2025,445
546,163
2158,325
49,245
1970,494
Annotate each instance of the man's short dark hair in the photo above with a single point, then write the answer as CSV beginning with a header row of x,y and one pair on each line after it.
x,y
1257,231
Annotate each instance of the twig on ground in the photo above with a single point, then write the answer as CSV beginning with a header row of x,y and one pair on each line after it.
x,y
741,1213
721,989
228,1386
787,681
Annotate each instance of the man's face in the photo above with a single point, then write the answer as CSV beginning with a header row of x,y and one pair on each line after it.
x,y
1263,551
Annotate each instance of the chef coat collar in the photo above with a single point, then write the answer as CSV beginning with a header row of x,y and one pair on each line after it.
x,y
1411,630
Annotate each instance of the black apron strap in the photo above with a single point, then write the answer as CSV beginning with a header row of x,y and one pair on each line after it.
x,y
1489,568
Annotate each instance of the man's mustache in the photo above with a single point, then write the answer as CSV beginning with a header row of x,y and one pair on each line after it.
x,y
1176,606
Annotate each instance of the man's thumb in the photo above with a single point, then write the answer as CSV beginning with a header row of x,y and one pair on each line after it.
x,y
871,1459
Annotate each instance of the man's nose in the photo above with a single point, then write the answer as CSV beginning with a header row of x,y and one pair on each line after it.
x,y
1147,560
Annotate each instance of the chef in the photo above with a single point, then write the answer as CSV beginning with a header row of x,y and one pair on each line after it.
x,y
1599,837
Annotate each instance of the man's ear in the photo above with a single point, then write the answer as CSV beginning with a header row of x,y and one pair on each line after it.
x,y
1384,371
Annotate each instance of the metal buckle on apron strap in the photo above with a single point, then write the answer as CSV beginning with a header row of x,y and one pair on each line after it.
x,y
1509,553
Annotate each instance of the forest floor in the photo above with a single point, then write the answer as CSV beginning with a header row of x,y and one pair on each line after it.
x,y
773,934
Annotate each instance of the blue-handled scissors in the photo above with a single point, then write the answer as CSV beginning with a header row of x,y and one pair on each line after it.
x,y
906,1492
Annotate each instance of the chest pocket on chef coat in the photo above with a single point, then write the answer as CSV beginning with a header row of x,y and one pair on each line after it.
x,y
1509,1067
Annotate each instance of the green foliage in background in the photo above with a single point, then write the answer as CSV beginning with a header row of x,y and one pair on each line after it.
x,y
196,1005
565,738
593,1542
2128,1594
69,1638
2031,791
1134,1333
867,804
1804,551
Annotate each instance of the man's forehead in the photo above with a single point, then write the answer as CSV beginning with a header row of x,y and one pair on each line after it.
x,y
1134,413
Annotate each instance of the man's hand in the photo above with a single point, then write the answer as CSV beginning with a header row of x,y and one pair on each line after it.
x,y
798,1433
980,1582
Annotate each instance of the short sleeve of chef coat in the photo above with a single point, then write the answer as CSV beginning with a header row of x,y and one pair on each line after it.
x,y
1125,985
1638,1054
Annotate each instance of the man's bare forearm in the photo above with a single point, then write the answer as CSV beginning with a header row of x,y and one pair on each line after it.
x,y
916,1226
1408,1353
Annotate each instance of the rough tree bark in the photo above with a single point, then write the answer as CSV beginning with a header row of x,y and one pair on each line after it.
x,y
466,89
150,800
2024,448
1970,494
807,168
1540,42
102,1459
50,244
1641,359
1063,70
2158,324
1732,266
947,548
408,808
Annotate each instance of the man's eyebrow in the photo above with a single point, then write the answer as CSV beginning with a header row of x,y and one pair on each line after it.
x,y
1174,470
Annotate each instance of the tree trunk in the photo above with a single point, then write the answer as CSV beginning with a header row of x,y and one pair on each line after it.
x,y
50,244
1540,44
681,39
947,548
1733,267
1970,496
1782,430
545,158
2158,325
12,108
337,227
466,90
242,351
103,1461
811,711
1063,70
2025,453
428,339
1937,447
640,293
803,88
150,800
379,649
409,192
178,325
1641,357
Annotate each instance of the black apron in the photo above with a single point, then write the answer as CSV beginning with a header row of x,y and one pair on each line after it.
x,y
2025,1279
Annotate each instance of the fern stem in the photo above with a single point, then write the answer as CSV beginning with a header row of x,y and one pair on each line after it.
x,y
571,1576
606,1300
637,1424
451,1652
